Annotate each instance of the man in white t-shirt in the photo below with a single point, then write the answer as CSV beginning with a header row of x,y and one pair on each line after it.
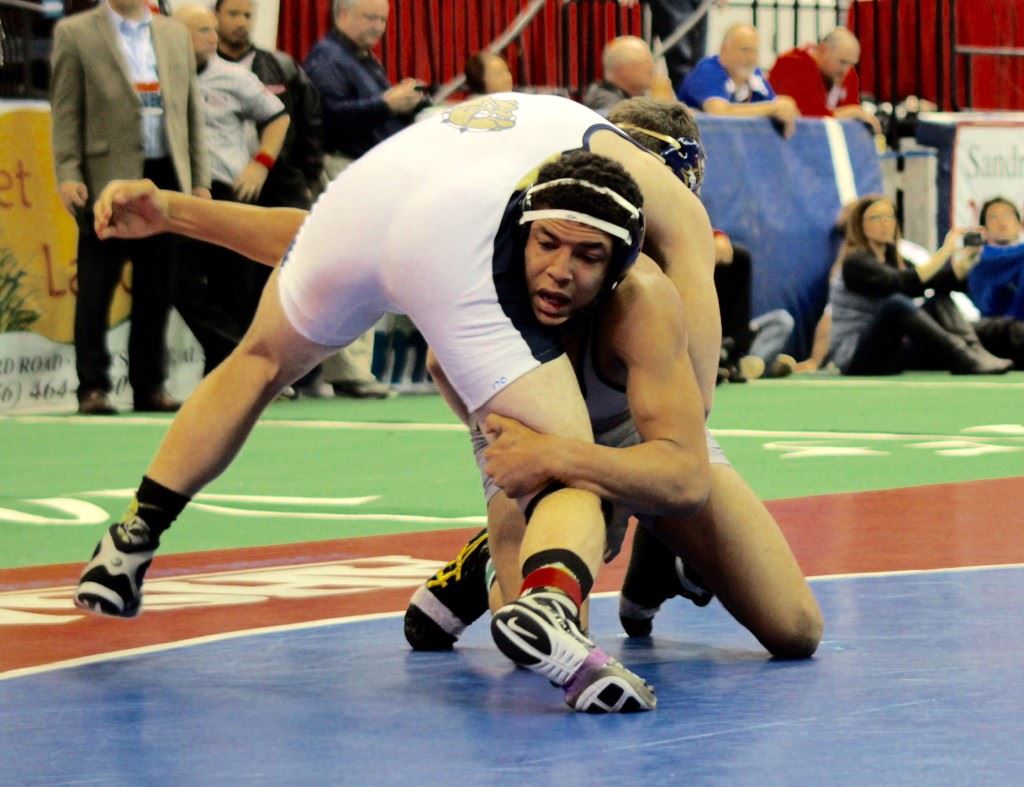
x,y
234,103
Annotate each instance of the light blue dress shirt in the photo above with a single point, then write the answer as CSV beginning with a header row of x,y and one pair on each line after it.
x,y
137,46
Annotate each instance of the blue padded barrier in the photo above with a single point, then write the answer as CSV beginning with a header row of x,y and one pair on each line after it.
x,y
779,198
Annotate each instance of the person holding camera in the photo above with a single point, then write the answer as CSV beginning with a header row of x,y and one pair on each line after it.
x,y
877,327
360,108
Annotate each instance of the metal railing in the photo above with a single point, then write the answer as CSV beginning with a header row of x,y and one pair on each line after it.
x,y
795,22
967,54
512,34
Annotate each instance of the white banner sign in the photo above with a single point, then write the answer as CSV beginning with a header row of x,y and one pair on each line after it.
x,y
37,374
988,161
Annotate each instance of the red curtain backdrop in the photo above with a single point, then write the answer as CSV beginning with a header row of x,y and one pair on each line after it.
x,y
998,82
431,39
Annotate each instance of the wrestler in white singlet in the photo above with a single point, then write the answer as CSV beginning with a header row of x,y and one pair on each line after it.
x,y
413,227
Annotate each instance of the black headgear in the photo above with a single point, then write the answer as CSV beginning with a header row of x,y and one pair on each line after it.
x,y
684,155
628,236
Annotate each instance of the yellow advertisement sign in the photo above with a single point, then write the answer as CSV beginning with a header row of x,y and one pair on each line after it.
x,y
37,236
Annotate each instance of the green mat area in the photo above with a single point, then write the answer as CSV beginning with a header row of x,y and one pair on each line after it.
x,y
803,436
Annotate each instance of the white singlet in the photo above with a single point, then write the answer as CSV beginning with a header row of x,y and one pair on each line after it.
x,y
411,227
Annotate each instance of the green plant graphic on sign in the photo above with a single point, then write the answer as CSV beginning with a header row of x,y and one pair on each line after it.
x,y
14,315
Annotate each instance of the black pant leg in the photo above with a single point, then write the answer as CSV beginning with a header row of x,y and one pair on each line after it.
x,y
98,270
732,283
213,328
152,262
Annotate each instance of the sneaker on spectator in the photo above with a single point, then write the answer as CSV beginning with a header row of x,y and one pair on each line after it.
x,y
315,389
453,598
783,366
541,631
363,389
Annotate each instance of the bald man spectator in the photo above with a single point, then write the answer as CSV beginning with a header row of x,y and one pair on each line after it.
x,y
731,83
821,80
666,17
628,67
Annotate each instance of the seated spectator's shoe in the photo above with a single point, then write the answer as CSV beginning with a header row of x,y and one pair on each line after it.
x,y
95,402
363,389
156,402
453,598
751,367
783,366
313,390
977,360
111,583
541,632
732,374
655,575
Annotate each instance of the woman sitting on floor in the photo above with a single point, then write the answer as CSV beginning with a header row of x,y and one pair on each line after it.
x,y
877,328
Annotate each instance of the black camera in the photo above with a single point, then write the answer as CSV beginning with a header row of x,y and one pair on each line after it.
x,y
973,239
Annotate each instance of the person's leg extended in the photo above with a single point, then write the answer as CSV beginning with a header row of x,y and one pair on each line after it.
x,y
203,439
216,419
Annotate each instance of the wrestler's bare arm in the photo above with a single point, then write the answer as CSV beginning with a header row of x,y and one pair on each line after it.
x,y
680,239
138,209
668,473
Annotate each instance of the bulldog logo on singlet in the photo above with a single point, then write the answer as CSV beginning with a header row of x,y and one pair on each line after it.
x,y
482,114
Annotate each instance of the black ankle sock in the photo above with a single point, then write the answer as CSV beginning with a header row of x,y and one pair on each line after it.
x,y
156,505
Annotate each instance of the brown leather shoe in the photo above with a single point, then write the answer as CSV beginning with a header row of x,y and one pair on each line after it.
x,y
156,402
95,402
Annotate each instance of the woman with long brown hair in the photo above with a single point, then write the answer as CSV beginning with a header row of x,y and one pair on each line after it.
x,y
877,327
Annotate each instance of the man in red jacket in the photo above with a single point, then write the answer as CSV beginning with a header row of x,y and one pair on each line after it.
x,y
821,79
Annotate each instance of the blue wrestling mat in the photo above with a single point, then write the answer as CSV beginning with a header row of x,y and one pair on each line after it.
x,y
917,681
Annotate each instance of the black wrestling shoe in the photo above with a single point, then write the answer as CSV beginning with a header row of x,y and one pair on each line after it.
x,y
541,631
451,599
111,583
654,576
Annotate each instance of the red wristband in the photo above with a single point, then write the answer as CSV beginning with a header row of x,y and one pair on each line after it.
x,y
265,159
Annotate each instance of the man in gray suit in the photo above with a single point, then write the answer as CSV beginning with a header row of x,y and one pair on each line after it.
x,y
125,105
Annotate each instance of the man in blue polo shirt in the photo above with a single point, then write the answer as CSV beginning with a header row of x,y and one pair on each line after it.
x,y
731,83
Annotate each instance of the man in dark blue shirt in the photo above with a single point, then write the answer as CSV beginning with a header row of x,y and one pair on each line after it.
x,y
360,106
360,109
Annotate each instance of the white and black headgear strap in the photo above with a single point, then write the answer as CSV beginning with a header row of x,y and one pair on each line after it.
x,y
623,233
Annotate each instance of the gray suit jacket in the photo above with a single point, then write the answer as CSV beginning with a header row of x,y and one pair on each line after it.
x,y
97,116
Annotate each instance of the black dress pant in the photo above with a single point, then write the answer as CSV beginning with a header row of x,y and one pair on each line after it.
x,y
100,263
